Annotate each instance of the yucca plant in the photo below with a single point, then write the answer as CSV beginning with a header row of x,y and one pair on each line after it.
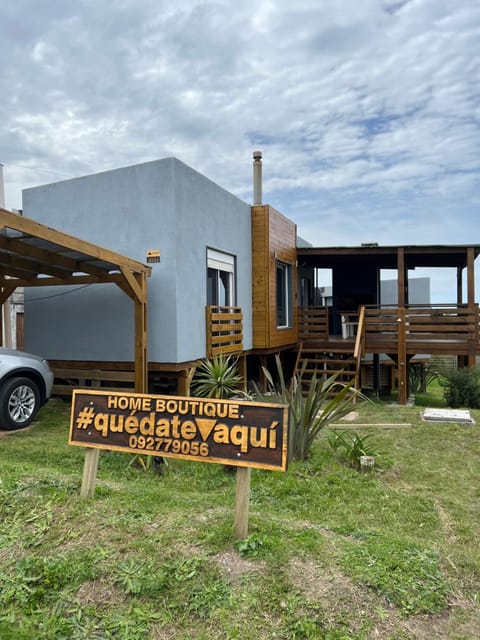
x,y
325,401
217,377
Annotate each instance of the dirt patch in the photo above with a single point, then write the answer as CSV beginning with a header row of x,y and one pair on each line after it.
x,y
11,432
167,632
344,600
233,566
98,593
446,521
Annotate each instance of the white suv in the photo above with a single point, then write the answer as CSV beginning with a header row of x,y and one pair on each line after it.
x,y
25,385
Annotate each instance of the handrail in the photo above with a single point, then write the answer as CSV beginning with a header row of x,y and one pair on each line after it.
x,y
359,350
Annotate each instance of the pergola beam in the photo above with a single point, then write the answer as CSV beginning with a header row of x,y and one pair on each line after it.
x,y
23,264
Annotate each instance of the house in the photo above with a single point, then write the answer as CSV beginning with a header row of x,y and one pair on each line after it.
x,y
200,292
228,277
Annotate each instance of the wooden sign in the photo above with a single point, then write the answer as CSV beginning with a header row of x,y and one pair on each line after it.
x,y
234,432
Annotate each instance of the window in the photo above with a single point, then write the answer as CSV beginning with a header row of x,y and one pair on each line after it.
x,y
284,295
220,279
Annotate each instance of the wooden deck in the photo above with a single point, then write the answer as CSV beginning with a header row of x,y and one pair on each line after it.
x,y
399,332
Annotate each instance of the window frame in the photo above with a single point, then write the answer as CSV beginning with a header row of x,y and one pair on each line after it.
x,y
284,288
221,272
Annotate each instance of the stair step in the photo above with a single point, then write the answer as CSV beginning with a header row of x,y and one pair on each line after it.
x,y
324,368
338,352
329,372
328,361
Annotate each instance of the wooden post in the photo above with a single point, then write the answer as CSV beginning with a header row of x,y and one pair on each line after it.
x,y
242,499
89,472
401,272
459,285
141,366
242,369
184,380
470,277
402,363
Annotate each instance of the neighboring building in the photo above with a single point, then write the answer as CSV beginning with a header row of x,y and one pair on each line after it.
x,y
418,291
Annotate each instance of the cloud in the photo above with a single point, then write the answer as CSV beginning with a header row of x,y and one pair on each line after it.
x,y
368,114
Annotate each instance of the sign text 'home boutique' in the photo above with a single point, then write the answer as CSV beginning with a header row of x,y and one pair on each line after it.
x,y
233,432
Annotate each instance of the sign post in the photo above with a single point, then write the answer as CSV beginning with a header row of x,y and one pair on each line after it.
x,y
89,472
237,433
242,502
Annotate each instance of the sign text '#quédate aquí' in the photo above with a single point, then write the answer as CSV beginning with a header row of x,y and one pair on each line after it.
x,y
240,433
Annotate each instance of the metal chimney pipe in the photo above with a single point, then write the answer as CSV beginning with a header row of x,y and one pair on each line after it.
x,y
2,188
257,177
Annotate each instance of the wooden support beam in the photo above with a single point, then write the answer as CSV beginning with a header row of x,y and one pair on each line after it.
x,y
242,500
184,381
5,293
470,277
459,285
141,365
402,363
401,276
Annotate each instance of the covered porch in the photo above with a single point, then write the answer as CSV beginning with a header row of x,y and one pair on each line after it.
x,y
356,324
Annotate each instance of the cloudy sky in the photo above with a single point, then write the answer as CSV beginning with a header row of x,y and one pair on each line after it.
x,y
367,111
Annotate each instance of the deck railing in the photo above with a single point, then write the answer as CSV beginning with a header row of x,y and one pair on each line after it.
x,y
312,323
425,326
421,325
224,330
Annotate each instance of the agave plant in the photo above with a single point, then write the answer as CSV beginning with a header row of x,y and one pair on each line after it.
x,y
217,377
325,401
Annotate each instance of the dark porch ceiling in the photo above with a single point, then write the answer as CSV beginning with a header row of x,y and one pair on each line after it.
x,y
386,257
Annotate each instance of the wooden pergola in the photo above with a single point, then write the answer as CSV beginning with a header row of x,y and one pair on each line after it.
x,y
34,255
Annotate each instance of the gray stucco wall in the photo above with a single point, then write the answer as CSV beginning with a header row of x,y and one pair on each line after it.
x,y
162,205
418,291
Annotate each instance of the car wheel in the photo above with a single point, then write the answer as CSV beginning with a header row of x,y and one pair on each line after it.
x,y
19,402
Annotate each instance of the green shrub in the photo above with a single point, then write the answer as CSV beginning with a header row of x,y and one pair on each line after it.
x,y
420,375
461,388
217,377
325,400
351,446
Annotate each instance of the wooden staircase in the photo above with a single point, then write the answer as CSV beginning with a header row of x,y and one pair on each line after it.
x,y
312,361
323,355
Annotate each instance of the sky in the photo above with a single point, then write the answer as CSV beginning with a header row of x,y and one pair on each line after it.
x,y
367,112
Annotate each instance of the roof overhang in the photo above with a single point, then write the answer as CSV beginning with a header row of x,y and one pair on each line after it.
x,y
387,257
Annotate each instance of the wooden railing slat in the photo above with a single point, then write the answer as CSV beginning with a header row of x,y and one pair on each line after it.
x,y
224,330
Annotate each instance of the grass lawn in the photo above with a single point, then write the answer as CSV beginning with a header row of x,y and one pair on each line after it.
x,y
331,553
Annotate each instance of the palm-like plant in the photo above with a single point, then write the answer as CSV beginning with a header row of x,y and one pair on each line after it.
x,y
325,401
217,377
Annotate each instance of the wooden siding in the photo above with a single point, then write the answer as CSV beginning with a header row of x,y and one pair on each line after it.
x,y
274,238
